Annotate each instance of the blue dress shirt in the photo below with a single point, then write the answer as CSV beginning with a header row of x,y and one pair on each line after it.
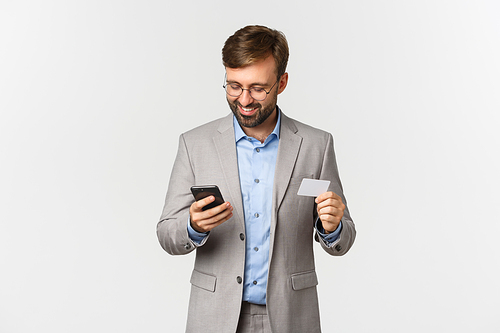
x,y
256,166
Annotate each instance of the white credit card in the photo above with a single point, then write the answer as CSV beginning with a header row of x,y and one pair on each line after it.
x,y
313,187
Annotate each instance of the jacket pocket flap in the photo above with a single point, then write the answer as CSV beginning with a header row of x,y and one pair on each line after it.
x,y
304,280
203,281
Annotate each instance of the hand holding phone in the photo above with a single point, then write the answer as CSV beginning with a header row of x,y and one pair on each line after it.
x,y
201,192
209,210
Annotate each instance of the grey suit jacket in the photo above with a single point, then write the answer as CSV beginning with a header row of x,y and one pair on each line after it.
x,y
207,155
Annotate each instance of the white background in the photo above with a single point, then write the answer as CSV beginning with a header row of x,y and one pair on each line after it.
x,y
93,97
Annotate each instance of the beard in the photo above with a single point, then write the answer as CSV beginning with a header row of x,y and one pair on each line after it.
x,y
258,117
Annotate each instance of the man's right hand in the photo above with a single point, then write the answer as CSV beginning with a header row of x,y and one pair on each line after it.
x,y
204,221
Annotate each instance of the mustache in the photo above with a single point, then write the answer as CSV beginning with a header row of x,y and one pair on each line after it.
x,y
253,105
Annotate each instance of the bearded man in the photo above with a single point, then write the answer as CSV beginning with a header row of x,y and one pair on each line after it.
x,y
254,269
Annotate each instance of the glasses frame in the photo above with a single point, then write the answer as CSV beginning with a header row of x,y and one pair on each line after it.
x,y
249,89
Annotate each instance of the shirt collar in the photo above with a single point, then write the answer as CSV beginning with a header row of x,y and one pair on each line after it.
x,y
239,134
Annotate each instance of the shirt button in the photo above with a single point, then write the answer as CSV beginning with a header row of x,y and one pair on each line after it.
x,y
187,246
258,150
242,236
256,214
239,279
257,181
255,282
250,139
256,249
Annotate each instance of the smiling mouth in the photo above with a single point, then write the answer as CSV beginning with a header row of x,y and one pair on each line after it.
x,y
247,111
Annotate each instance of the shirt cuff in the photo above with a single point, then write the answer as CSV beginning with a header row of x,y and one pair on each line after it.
x,y
331,237
194,235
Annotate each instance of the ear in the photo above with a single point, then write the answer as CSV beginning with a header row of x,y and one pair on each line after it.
x,y
283,82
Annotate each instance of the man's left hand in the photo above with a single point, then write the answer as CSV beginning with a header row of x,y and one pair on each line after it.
x,y
330,210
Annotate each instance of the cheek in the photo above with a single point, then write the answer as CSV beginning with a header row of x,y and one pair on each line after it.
x,y
230,101
268,105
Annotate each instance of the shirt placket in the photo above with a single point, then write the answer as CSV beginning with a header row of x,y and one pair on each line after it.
x,y
256,210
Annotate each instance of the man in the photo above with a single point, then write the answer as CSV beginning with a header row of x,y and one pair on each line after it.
x,y
254,268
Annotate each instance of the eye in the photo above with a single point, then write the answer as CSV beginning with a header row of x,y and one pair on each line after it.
x,y
258,89
234,86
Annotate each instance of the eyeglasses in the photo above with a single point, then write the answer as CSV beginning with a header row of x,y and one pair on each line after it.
x,y
257,93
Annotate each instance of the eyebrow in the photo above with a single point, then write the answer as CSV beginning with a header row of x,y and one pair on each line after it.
x,y
251,85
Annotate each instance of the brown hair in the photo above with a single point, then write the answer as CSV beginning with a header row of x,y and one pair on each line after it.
x,y
254,43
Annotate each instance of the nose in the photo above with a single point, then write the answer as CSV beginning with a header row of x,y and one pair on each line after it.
x,y
245,98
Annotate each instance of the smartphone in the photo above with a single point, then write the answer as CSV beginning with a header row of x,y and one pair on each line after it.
x,y
200,192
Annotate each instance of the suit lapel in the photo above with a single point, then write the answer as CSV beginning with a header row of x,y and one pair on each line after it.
x,y
226,149
288,151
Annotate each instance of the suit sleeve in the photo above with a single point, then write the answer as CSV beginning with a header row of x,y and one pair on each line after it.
x,y
329,171
172,228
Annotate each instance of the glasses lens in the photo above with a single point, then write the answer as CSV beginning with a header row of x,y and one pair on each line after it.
x,y
258,94
233,90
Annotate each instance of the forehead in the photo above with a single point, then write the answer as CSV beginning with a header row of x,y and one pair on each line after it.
x,y
261,72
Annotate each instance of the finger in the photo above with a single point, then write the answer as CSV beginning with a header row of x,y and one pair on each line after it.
x,y
218,209
210,223
203,202
337,203
201,215
219,218
327,202
331,214
326,195
331,210
332,217
212,212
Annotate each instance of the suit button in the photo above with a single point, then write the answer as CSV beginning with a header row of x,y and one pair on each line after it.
x,y
338,248
239,279
187,246
242,236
